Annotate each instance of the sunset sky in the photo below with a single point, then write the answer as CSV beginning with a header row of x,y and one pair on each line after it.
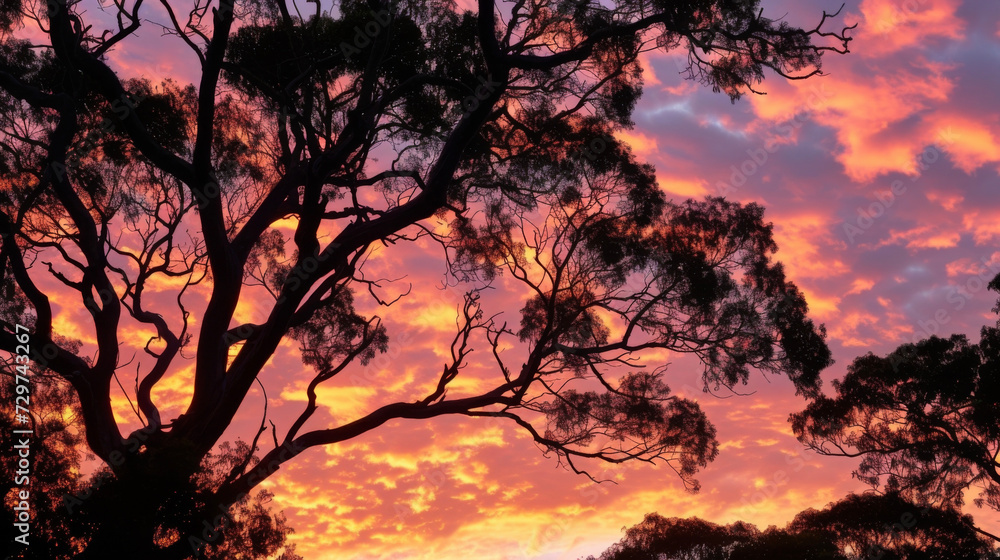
x,y
881,179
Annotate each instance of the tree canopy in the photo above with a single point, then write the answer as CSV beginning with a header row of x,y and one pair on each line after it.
x,y
64,514
500,124
923,420
860,526
55,457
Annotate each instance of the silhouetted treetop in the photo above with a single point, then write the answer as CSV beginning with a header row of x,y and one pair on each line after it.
x,y
857,527
891,527
923,419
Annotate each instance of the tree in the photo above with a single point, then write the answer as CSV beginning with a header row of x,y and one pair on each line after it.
x,y
889,527
55,461
857,527
781,544
659,538
63,514
923,420
681,539
497,124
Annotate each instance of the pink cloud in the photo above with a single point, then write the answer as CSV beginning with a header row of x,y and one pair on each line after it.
x,y
888,26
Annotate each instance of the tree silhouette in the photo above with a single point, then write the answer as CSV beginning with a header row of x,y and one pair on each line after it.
x,y
890,527
66,507
857,527
661,538
923,419
502,126
688,539
55,462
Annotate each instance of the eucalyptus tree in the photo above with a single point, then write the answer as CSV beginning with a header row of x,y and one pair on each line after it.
x,y
922,419
500,123
857,527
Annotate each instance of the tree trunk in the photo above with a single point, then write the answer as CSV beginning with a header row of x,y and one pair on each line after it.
x,y
124,530
125,513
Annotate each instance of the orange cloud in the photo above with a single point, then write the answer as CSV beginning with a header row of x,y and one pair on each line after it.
x,y
866,112
970,142
683,187
860,285
937,236
801,240
984,226
888,26
948,201
969,266
642,144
